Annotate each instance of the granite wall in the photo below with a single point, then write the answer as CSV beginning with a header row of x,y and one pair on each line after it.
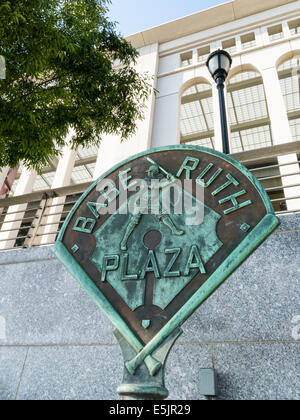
x,y
56,344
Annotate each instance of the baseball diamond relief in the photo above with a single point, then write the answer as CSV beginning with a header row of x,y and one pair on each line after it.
x,y
153,238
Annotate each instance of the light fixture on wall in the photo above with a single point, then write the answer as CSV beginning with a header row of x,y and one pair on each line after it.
x,y
219,63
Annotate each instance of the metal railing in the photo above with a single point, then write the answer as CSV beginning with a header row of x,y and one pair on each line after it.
x,y
280,180
35,219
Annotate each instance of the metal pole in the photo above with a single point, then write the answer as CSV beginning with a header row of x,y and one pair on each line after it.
x,y
225,137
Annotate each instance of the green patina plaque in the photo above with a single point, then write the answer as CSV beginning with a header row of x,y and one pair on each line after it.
x,y
155,236
168,282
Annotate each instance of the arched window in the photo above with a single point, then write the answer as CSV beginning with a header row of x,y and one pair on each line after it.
x,y
197,122
289,76
248,112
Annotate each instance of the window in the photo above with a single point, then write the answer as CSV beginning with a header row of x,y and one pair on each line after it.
x,y
275,32
294,26
87,152
229,45
44,181
196,122
85,164
81,174
289,76
203,54
186,59
248,41
248,113
295,128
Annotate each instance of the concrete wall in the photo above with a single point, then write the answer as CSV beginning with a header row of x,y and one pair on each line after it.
x,y
56,344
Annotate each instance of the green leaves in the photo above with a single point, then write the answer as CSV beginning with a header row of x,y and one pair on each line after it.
x,y
60,74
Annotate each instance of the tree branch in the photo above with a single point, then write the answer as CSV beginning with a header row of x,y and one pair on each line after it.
x,y
40,85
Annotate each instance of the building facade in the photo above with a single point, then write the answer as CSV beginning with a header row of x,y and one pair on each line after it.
x,y
263,103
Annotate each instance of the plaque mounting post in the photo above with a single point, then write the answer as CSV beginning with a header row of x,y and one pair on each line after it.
x,y
141,385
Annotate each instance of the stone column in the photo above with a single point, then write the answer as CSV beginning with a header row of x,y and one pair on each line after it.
x,y
7,183
277,111
62,178
3,174
286,30
282,134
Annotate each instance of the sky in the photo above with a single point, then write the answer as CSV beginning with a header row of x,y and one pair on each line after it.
x,y
137,15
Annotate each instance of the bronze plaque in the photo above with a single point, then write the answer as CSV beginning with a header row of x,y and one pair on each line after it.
x,y
154,237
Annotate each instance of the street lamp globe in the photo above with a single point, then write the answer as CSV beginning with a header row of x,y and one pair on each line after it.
x,y
219,64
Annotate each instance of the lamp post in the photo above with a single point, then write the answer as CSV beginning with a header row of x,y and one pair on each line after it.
x,y
219,63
